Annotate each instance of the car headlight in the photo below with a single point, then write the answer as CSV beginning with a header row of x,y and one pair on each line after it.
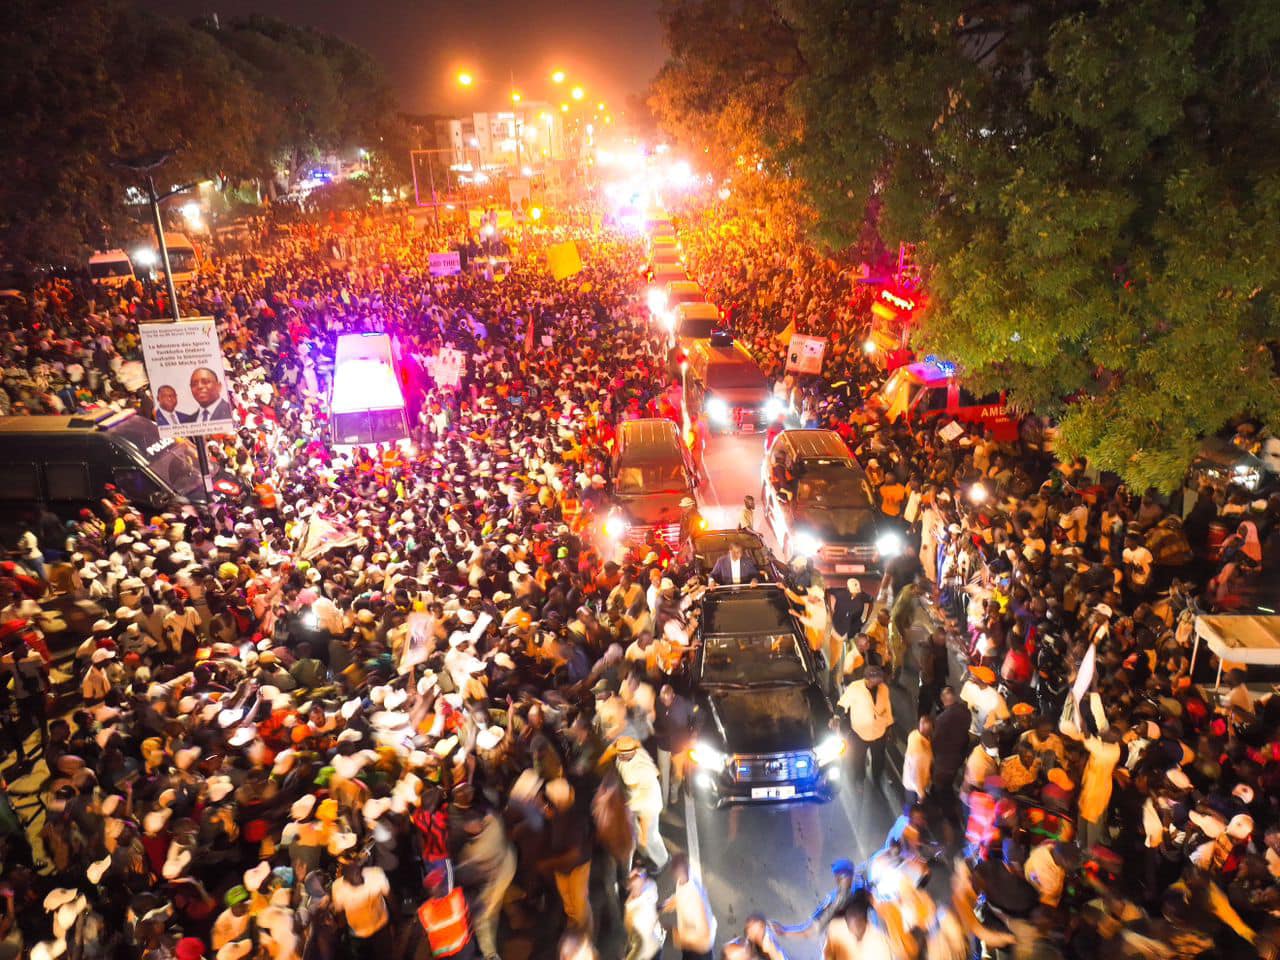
x,y
707,756
774,408
717,409
657,301
806,544
889,545
615,527
830,750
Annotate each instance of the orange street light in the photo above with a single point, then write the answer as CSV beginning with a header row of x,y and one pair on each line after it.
x,y
577,93
515,96
564,108
465,79
557,77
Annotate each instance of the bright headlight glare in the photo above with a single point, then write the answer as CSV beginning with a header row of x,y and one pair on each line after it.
x,y
707,756
615,528
807,545
717,409
830,750
774,408
657,301
889,545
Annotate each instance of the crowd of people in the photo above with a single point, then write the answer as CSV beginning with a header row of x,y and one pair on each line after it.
x,y
453,728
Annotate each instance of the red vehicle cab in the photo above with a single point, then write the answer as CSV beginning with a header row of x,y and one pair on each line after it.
x,y
930,389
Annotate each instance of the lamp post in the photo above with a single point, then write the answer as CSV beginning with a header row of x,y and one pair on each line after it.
x,y
143,167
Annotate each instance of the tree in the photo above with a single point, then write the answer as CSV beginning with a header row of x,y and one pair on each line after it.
x,y
723,94
1096,189
89,82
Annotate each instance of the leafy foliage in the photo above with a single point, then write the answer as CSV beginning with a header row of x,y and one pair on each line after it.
x,y
1096,185
89,82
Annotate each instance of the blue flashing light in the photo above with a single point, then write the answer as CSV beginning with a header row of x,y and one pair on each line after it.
x,y
946,367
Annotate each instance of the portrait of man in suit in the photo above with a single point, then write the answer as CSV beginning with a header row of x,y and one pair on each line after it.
x,y
167,414
206,388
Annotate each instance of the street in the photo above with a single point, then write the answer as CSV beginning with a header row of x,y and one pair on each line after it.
x,y
776,859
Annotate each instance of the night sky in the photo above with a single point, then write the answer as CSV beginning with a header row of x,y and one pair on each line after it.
x,y
612,47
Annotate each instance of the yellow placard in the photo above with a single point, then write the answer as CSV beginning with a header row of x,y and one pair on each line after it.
x,y
563,260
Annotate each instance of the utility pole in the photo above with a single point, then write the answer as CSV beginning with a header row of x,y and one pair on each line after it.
x,y
145,166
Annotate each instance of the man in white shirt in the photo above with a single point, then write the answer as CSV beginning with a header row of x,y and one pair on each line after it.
x,y
639,775
695,930
871,718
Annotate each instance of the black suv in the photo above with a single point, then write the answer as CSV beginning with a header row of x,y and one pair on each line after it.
x,y
764,724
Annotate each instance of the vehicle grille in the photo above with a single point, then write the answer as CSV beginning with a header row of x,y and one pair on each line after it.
x,y
855,553
749,417
773,767
639,535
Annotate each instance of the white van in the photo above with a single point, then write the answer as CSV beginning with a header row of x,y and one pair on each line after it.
x,y
112,268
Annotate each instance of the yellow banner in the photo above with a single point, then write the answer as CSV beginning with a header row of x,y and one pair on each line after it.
x,y
563,260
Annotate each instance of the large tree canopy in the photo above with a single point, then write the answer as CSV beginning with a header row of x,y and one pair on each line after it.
x,y
1096,185
723,95
89,82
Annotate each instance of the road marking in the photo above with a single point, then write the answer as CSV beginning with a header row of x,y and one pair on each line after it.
x,y
691,831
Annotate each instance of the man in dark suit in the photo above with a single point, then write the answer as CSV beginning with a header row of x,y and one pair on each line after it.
x,y
734,567
206,388
167,412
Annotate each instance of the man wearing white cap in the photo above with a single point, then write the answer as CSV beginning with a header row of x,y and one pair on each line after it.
x,y
644,797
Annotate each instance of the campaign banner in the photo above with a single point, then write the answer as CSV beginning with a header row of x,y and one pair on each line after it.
x,y
444,264
804,353
188,377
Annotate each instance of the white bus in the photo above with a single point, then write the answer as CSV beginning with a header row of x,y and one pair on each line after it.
x,y
367,404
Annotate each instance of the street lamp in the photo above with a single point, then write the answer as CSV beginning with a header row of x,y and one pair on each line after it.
x,y
557,76
577,93
465,79
515,96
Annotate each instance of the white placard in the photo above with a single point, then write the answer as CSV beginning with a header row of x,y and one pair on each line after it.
x,y
188,377
444,264
804,353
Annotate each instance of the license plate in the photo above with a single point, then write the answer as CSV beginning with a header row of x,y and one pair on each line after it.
x,y
772,793
851,568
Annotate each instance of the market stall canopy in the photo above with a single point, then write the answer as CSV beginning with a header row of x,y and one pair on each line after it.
x,y
1240,638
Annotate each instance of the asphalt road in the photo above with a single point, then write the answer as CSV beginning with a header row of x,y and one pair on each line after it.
x,y
776,859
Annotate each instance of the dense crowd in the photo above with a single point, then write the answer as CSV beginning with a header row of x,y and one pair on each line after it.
x,y
453,727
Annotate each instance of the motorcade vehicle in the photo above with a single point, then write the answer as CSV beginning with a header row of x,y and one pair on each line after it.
x,y
660,274
652,483
817,501
661,302
708,546
764,727
62,464
726,384
693,321
112,268
366,403
930,390
184,258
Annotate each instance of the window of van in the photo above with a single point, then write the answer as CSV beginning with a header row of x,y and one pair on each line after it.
x,y
134,484
18,482
68,481
934,400
697,328
967,399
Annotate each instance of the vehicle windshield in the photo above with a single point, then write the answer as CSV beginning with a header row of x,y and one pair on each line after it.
x,y
182,260
753,659
832,486
172,459
735,375
370,426
697,328
105,269
652,478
